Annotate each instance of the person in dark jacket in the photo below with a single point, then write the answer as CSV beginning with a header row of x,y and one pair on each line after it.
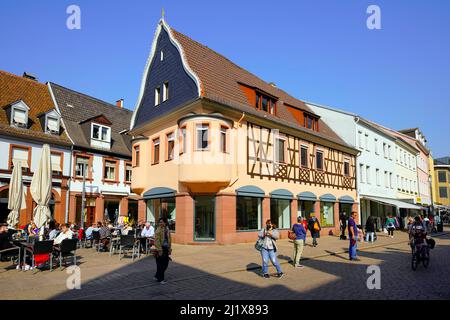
x,y
314,227
370,229
343,221
299,241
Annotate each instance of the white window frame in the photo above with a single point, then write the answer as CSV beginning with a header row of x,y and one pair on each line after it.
x,y
157,96
20,106
200,127
165,96
101,127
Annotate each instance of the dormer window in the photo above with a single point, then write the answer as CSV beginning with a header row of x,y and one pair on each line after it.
x,y
19,114
157,96
101,133
265,103
165,91
311,122
52,122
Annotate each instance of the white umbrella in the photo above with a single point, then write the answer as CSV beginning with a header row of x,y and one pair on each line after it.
x,y
41,189
16,197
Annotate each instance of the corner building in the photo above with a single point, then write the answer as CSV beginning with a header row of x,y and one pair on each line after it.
x,y
218,151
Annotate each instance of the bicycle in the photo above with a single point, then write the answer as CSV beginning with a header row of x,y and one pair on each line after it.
x,y
420,253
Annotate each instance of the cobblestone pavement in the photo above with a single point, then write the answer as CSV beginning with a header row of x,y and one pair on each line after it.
x,y
233,272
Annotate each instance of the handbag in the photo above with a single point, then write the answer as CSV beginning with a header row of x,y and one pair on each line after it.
x,y
292,235
316,226
259,245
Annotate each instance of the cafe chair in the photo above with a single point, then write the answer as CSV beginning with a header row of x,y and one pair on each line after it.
x,y
128,242
96,241
67,248
13,252
41,248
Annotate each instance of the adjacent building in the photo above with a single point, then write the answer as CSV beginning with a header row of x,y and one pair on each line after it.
x,y
29,119
442,182
386,180
101,156
218,151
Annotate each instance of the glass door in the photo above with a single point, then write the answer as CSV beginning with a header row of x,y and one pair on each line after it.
x,y
204,218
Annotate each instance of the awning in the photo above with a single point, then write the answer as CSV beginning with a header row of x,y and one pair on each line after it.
x,y
159,192
282,194
250,191
328,198
346,199
307,196
396,203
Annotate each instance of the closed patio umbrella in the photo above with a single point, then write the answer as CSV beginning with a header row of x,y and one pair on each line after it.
x,y
41,190
16,197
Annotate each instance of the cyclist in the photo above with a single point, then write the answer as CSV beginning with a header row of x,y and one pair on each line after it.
x,y
417,234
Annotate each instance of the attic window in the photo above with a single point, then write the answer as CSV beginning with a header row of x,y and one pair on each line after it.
x,y
162,55
52,124
311,122
265,103
19,116
157,96
101,133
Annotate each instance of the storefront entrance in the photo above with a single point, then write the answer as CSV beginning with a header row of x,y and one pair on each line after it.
x,y
204,218
112,210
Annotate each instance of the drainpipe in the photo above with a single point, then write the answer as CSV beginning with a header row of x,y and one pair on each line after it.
x,y
358,196
68,185
236,140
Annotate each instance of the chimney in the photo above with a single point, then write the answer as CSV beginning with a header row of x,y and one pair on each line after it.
x,y
29,76
119,103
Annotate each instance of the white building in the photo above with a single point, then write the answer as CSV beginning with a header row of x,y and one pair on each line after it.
x,y
377,167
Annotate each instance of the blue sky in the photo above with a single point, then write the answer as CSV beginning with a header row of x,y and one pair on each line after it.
x,y
319,51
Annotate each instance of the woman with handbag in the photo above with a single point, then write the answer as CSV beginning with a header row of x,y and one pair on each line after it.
x,y
268,237
298,235
314,227
163,249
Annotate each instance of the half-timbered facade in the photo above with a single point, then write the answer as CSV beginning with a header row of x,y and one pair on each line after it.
x,y
218,151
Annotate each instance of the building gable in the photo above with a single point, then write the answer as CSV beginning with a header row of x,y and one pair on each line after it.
x,y
165,65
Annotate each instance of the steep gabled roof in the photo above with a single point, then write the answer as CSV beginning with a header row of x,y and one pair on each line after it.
x,y
77,108
219,80
36,96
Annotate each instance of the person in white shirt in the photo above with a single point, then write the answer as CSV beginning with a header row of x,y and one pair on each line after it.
x,y
65,234
147,236
148,231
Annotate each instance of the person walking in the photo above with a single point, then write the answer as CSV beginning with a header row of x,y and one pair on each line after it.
x,y
370,229
353,236
390,226
314,227
163,249
343,221
269,235
300,233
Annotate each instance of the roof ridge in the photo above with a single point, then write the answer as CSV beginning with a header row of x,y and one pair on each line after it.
x,y
35,82
91,97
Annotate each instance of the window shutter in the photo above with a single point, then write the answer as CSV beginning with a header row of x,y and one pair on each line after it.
x,y
52,124
21,155
20,116
56,162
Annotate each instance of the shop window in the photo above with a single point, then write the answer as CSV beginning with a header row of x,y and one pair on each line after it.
x,y
248,213
165,208
280,213
327,214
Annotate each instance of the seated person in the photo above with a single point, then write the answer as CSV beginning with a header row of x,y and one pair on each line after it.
x,y
105,233
33,230
89,231
5,238
53,230
126,229
66,233
148,231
